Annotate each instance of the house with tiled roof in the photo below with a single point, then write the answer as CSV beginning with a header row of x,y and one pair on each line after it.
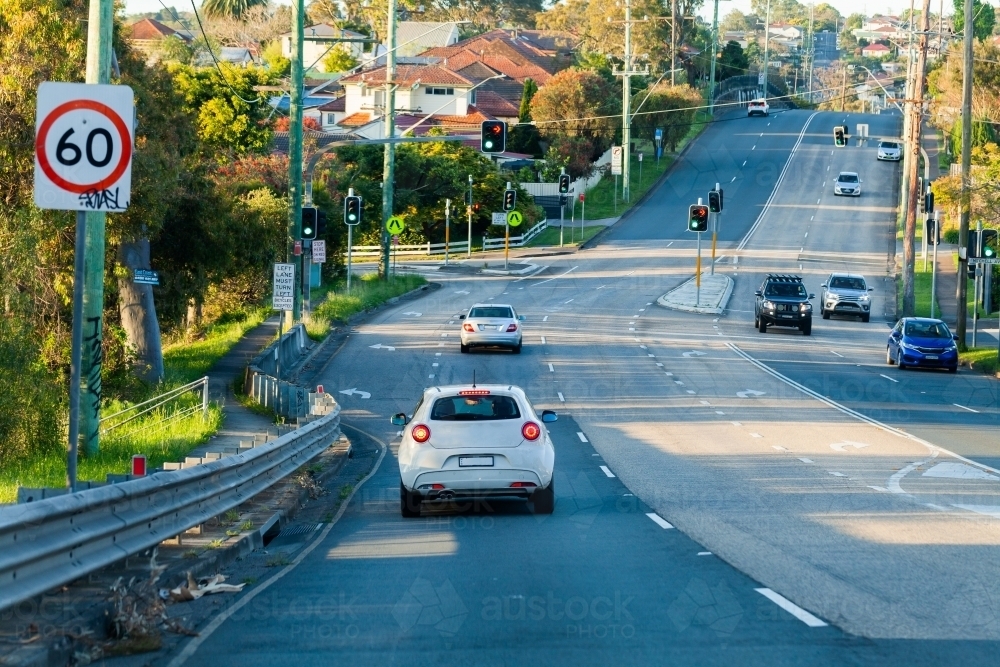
x,y
876,51
316,43
148,34
520,54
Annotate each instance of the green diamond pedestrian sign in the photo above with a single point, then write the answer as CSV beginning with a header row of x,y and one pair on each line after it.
x,y
514,218
395,225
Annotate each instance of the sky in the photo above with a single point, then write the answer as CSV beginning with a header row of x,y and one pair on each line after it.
x,y
845,7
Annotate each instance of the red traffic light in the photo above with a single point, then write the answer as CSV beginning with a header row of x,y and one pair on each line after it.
x,y
698,218
494,136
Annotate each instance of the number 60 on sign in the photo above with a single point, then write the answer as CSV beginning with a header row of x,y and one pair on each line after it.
x,y
83,147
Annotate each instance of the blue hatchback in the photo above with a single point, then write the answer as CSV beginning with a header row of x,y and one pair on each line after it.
x,y
921,341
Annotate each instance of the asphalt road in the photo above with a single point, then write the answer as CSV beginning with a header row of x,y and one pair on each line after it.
x,y
878,539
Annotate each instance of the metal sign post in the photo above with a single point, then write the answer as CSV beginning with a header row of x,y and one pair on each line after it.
x,y
583,213
447,229
468,253
506,244
697,271
934,263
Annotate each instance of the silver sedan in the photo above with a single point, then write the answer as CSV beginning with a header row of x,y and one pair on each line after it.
x,y
491,324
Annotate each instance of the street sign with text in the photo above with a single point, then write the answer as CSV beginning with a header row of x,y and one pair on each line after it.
x,y
145,277
319,252
83,146
283,290
499,218
616,160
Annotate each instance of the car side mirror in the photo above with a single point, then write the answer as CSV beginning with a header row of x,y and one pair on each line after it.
x,y
823,285
398,419
871,289
954,336
520,318
461,317
812,296
549,416
757,293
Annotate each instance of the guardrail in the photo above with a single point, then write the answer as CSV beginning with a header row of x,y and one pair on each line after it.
x,y
413,249
123,417
52,542
516,241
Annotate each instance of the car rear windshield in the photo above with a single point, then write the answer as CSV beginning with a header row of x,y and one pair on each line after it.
x,y
848,178
848,283
927,330
491,311
475,408
890,144
785,289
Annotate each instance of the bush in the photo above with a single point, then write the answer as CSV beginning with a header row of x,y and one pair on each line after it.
x,y
951,235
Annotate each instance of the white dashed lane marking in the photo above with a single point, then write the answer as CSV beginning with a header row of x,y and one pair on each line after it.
x,y
607,472
582,437
561,399
792,608
659,521
965,408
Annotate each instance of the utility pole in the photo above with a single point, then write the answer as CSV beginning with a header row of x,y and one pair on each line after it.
x,y
843,87
626,73
469,212
715,56
673,42
913,146
812,51
295,154
389,162
767,41
963,226
99,29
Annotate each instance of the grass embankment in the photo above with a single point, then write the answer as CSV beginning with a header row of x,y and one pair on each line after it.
x,y
150,434
571,235
336,305
982,359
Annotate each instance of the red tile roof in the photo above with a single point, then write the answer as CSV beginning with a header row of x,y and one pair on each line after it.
x,y
409,74
356,119
495,105
339,104
149,29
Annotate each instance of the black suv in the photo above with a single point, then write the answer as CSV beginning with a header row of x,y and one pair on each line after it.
x,y
782,301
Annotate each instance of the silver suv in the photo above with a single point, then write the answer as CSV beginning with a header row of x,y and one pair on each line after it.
x,y
846,294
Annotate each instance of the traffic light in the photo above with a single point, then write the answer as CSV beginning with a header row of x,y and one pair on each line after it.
x,y
698,218
476,207
494,136
468,197
309,221
715,201
563,184
320,223
838,137
988,244
509,200
352,210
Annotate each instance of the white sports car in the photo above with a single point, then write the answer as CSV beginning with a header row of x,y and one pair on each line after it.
x,y
482,441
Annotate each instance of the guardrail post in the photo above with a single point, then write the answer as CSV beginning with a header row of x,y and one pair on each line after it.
x,y
204,397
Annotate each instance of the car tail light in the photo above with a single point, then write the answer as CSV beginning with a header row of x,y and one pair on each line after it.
x,y
523,485
437,487
468,327
512,327
421,433
531,431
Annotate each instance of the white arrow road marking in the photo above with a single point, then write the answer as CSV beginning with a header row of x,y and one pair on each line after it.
x,y
842,446
659,521
750,392
694,353
792,608
415,314
355,390
380,346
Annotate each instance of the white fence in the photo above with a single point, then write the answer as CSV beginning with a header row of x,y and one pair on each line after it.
x,y
516,241
416,249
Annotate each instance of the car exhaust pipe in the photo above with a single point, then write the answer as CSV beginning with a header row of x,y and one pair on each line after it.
x,y
446,495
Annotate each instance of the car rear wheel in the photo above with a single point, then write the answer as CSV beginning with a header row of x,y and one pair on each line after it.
x,y
409,503
464,348
762,326
544,500
516,349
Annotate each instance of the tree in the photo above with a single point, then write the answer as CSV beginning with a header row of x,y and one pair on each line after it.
x,y
782,11
339,60
732,62
277,63
229,8
524,136
827,17
663,106
568,17
737,21
982,24
578,103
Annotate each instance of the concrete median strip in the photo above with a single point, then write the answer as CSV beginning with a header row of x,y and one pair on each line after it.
x,y
714,295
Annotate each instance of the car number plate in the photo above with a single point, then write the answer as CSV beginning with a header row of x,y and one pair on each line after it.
x,y
787,317
487,327
475,461
930,356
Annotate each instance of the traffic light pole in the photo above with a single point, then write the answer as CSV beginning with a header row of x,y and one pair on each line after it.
x,y
468,252
389,160
295,151
697,271
447,228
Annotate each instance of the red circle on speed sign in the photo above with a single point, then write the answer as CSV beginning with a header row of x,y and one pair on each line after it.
x,y
581,196
104,110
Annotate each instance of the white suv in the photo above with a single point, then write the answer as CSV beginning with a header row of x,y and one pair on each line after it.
x,y
469,441
758,107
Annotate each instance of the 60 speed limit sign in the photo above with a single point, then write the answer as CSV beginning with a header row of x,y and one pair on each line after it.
x,y
83,147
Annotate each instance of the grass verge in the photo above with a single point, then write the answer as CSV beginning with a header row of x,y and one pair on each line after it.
x,y
151,435
571,235
366,293
980,359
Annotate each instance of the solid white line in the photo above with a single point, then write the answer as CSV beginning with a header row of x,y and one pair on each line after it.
x,y
559,276
838,354
658,520
934,449
607,472
781,177
792,608
582,437
889,378
965,408
551,369
563,400
217,622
